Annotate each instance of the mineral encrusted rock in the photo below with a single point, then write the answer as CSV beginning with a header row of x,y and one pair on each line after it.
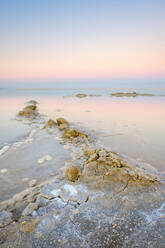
x,y
72,173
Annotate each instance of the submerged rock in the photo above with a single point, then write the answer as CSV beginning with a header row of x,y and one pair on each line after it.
x,y
72,173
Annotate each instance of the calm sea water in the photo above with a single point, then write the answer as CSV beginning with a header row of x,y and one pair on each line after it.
x,y
131,126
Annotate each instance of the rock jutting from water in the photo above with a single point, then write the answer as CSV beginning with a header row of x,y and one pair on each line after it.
x,y
81,95
29,111
130,94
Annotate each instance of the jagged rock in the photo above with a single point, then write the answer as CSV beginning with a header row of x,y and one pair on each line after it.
x,y
80,95
74,133
61,121
101,162
72,173
5,218
50,124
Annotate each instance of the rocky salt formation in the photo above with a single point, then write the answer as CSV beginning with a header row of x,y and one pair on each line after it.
x,y
109,165
101,201
130,94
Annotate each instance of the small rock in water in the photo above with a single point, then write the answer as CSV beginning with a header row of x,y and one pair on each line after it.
x,y
72,173
41,160
44,159
48,158
33,183
3,171
26,179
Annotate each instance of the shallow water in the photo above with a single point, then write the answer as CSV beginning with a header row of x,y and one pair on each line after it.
x,y
131,126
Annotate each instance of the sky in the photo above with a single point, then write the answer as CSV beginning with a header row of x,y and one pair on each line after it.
x,y
81,39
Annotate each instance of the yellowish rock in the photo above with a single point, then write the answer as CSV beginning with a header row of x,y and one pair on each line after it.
x,y
72,173
61,121
73,133
81,95
50,123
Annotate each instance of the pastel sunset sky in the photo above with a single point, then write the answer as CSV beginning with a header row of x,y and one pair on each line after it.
x,y
65,39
